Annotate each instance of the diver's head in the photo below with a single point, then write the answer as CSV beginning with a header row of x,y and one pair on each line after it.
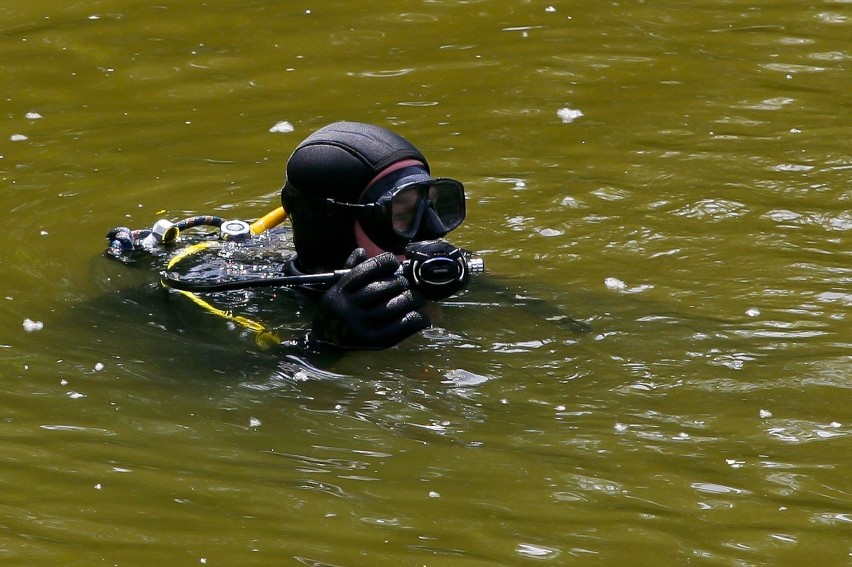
x,y
351,184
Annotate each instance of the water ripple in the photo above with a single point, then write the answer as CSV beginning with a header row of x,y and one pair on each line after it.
x,y
382,74
803,431
713,209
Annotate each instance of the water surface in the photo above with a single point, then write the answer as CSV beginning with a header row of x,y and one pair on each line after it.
x,y
674,174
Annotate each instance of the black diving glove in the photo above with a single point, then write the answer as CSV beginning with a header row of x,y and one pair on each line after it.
x,y
370,307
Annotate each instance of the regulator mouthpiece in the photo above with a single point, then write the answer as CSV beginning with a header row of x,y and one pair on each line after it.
x,y
437,269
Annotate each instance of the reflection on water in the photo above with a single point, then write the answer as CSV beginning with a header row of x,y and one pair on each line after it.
x,y
675,176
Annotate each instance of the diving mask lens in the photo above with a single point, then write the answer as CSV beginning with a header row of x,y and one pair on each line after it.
x,y
409,202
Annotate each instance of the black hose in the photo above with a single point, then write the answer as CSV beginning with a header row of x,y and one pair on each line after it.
x,y
200,220
175,282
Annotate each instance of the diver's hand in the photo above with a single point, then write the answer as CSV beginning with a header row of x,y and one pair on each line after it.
x,y
370,307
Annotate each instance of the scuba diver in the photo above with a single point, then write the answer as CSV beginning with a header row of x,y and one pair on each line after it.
x,y
367,222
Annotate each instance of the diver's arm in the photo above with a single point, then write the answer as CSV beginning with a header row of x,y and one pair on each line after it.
x,y
373,307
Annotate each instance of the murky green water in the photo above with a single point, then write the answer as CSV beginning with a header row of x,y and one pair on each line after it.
x,y
676,174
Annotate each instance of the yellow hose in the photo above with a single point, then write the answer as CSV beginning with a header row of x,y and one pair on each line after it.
x,y
264,337
269,220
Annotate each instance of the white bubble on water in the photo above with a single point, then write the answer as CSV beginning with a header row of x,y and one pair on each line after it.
x,y
282,127
461,377
300,376
568,115
534,550
615,284
31,326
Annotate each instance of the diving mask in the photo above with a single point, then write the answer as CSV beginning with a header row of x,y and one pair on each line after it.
x,y
440,201
407,205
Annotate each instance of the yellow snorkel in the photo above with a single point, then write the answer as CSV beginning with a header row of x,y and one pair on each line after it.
x,y
269,220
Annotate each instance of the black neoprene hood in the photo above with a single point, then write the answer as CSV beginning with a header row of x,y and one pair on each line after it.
x,y
337,161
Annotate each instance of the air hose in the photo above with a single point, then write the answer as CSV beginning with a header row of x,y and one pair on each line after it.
x,y
434,268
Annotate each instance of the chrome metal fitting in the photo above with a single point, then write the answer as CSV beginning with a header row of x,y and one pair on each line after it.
x,y
165,232
234,230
